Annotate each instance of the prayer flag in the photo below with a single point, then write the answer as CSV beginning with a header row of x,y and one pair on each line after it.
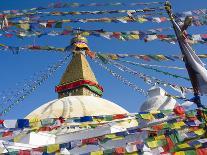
x,y
97,153
53,148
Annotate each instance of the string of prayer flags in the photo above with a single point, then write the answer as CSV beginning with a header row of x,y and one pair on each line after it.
x,y
40,14
157,66
122,36
122,79
26,91
148,79
112,56
122,19
58,5
198,12
147,57
170,135
27,123
67,4
159,141
35,11
147,67
129,35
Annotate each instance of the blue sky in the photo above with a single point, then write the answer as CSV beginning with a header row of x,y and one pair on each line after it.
x,y
17,68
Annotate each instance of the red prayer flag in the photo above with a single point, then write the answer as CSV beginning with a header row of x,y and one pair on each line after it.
x,y
24,152
201,151
90,141
169,145
119,151
1,121
179,110
7,133
8,35
119,116
91,54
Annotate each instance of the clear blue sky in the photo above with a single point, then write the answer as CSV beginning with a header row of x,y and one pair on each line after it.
x,y
16,68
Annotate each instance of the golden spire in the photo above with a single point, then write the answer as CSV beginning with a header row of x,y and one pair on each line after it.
x,y
78,78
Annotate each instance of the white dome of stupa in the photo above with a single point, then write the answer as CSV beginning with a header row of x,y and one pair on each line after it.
x,y
157,100
76,106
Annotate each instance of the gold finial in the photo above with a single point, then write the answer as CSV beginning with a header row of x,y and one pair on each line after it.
x,y
168,8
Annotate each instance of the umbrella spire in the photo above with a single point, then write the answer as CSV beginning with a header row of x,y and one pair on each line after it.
x,y
78,78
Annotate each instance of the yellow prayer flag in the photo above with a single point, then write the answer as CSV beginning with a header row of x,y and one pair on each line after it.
x,y
160,137
154,111
85,33
66,20
84,125
53,148
177,125
199,132
118,138
111,136
152,144
202,55
141,20
34,123
181,123
133,36
148,116
184,145
198,145
2,45
97,120
113,56
35,119
132,153
180,153
24,26
60,49
161,57
19,137
97,153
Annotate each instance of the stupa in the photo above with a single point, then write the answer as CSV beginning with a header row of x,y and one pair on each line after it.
x,y
79,93
157,100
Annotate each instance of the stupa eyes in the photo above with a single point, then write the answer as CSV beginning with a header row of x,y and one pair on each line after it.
x,y
81,49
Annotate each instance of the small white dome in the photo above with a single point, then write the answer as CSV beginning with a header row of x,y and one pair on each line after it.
x,y
156,91
157,100
76,106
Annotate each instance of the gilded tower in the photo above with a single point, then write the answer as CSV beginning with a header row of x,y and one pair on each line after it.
x,y
78,78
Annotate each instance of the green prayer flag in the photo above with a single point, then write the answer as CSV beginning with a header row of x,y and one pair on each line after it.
x,y
173,138
178,137
191,113
166,125
108,118
166,112
190,152
13,152
93,126
58,25
161,142
94,89
108,152
103,57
